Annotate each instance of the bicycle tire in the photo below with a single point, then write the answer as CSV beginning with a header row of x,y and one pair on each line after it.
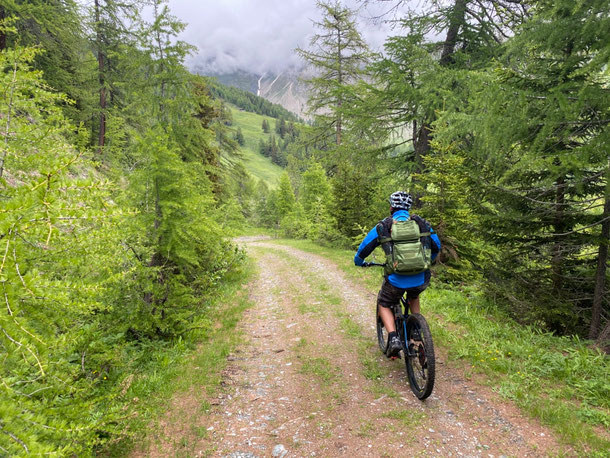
x,y
419,357
382,333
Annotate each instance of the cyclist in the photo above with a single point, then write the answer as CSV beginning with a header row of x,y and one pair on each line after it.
x,y
394,285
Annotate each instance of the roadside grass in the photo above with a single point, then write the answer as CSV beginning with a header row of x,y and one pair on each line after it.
x,y
561,381
407,418
190,364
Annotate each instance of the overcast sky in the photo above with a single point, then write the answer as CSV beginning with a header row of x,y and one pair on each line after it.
x,y
259,35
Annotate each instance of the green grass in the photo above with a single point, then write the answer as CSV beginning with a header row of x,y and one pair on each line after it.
x,y
194,362
407,417
256,164
366,429
561,381
320,367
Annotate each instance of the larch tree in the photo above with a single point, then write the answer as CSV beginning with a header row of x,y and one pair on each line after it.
x,y
337,55
533,136
110,29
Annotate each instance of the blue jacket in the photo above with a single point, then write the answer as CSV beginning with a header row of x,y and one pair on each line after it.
x,y
371,241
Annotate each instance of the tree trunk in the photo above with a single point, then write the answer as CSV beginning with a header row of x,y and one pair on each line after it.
x,y
340,81
100,63
603,341
421,147
455,22
600,273
421,136
559,228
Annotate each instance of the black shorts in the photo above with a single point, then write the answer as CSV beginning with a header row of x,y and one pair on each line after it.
x,y
389,295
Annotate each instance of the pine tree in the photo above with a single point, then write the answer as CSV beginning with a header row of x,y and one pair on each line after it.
x,y
284,198
265,126
109,34
338,55
317,200
536,157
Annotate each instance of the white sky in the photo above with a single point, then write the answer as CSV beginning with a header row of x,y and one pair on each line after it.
x,y
259,35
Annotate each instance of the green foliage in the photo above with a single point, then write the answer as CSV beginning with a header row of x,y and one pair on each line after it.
x,y
284,200
239,137
250,102
536,159
104,263
60,255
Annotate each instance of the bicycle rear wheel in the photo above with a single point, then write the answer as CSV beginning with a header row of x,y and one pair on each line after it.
x,y
382,333
419,357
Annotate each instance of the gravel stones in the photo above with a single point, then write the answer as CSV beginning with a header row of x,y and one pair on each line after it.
x,y
279,451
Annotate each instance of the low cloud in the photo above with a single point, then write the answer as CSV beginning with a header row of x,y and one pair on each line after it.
x,y
255,35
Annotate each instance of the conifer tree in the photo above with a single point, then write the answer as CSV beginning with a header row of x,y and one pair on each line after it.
x,y
109,34
537,158
284,200
338,55
60,235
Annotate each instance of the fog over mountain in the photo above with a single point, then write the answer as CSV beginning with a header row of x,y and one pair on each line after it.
x,y
259,36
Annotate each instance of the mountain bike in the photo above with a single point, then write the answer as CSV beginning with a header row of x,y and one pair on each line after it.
x,y
418,348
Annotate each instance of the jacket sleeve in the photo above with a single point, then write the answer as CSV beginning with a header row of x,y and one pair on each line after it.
x,y
436,244
367,246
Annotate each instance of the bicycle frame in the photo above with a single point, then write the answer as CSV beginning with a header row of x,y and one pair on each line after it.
x,y
400,318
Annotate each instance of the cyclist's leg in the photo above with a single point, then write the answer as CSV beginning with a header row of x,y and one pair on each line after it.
x,y
414,305
388,296
387,316
413,294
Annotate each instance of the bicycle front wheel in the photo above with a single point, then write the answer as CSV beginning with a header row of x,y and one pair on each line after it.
x,y
419,358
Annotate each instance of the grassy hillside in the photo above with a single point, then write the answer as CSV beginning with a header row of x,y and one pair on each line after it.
x,y
257,165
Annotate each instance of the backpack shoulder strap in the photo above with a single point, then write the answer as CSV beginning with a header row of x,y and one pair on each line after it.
x,y
384,230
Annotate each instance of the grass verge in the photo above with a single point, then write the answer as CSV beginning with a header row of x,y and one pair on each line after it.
x,y
560,381
193,363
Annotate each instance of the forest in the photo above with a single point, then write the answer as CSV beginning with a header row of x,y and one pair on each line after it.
x,y
122,181
509,105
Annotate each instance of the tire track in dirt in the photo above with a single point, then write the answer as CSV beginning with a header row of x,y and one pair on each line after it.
x,y
298,386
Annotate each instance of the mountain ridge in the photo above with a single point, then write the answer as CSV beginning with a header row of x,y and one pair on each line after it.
x,y
285,88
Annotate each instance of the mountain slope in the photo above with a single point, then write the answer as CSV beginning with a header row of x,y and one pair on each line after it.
x,y
285,89
256,164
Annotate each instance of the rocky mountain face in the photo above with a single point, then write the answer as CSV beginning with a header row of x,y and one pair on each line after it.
x,y
285,88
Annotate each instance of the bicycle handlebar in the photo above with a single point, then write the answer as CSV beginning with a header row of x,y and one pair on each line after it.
x,y
372,264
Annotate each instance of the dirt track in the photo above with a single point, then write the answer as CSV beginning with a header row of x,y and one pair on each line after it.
x,y
308,380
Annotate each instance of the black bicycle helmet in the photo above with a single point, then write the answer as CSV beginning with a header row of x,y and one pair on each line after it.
x,y
401,200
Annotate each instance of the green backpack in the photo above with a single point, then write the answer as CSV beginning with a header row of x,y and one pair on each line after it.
x,y
407,254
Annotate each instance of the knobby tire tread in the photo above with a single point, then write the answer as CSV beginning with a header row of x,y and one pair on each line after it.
x,y
429,349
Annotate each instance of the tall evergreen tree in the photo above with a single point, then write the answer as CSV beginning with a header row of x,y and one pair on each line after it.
x,y
337,55
109,20
538,158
